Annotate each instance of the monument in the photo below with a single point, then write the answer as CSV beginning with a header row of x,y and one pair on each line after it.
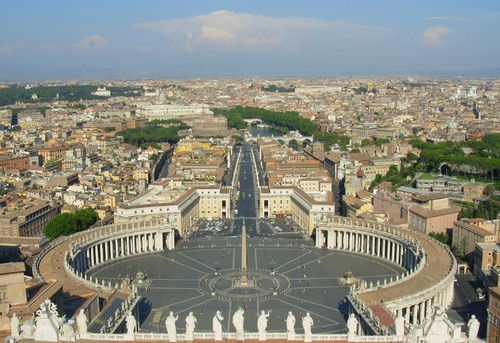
x,y
170,324
238,320
217,326
352,326
307,323
244,281
81,322
262,325
14,325
47,322
290,326
190,326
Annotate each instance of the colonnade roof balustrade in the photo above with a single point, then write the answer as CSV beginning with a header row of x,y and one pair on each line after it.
x,y
440,264
50,265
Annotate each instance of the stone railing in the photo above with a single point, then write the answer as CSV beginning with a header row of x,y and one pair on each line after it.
x,y
209,336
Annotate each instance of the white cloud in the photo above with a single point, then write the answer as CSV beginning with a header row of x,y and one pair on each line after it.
x,y
230,30
434,35
92,42
11,48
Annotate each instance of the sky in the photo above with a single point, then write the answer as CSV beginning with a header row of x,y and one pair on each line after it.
x,y
125,39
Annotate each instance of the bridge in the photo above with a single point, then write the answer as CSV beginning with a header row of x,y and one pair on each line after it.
x,y
253,121
294,136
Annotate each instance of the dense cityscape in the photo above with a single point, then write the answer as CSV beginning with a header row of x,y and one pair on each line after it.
x,y
418,154
201,171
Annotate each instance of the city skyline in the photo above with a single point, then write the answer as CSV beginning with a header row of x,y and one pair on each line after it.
x,y
160,39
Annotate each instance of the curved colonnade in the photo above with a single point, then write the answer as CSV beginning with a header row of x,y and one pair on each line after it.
x,y
111,242
427,281
89,249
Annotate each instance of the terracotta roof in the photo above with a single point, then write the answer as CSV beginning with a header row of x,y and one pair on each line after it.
x,y
384,317
433,213
12,267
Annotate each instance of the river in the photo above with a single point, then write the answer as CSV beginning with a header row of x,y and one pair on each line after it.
x,y
263,131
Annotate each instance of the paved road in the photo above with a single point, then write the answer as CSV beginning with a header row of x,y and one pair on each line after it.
x,y
466,303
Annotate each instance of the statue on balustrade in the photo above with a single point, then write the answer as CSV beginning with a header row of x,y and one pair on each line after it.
x,y
473,326
352,325
131,323
81,322
170,324
217,326
307,323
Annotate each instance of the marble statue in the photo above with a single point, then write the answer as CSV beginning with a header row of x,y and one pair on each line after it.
x,y
352,325
399,322
67,331
238,322
131,323
217,326
81,321
307,323
14,325
190,325
262,325
28,329
170,324
290,326
473,326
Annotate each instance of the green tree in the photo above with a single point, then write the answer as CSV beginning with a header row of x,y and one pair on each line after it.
x,y
61,225
367,142
65,224
440,236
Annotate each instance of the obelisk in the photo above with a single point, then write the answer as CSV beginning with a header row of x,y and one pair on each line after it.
x,y
244,281
244,277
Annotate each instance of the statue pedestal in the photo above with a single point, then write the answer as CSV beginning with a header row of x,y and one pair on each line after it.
x,y
249,283
46,329
291,336
262,336
307,338
129,337
240,336
188,337
217,336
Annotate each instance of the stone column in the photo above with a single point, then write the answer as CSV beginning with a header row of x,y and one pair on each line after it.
x,y
415,313
106,250
330,239
422,312
383,241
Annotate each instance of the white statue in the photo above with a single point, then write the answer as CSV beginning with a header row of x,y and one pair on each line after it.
x,y
170,324
14,325
131,323
262,324
400,325
473,326
190,325
307,323
290,326
238,322
217,325
81,321
67,330
352,325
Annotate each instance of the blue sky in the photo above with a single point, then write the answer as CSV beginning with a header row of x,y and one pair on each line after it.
x,y
216,38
